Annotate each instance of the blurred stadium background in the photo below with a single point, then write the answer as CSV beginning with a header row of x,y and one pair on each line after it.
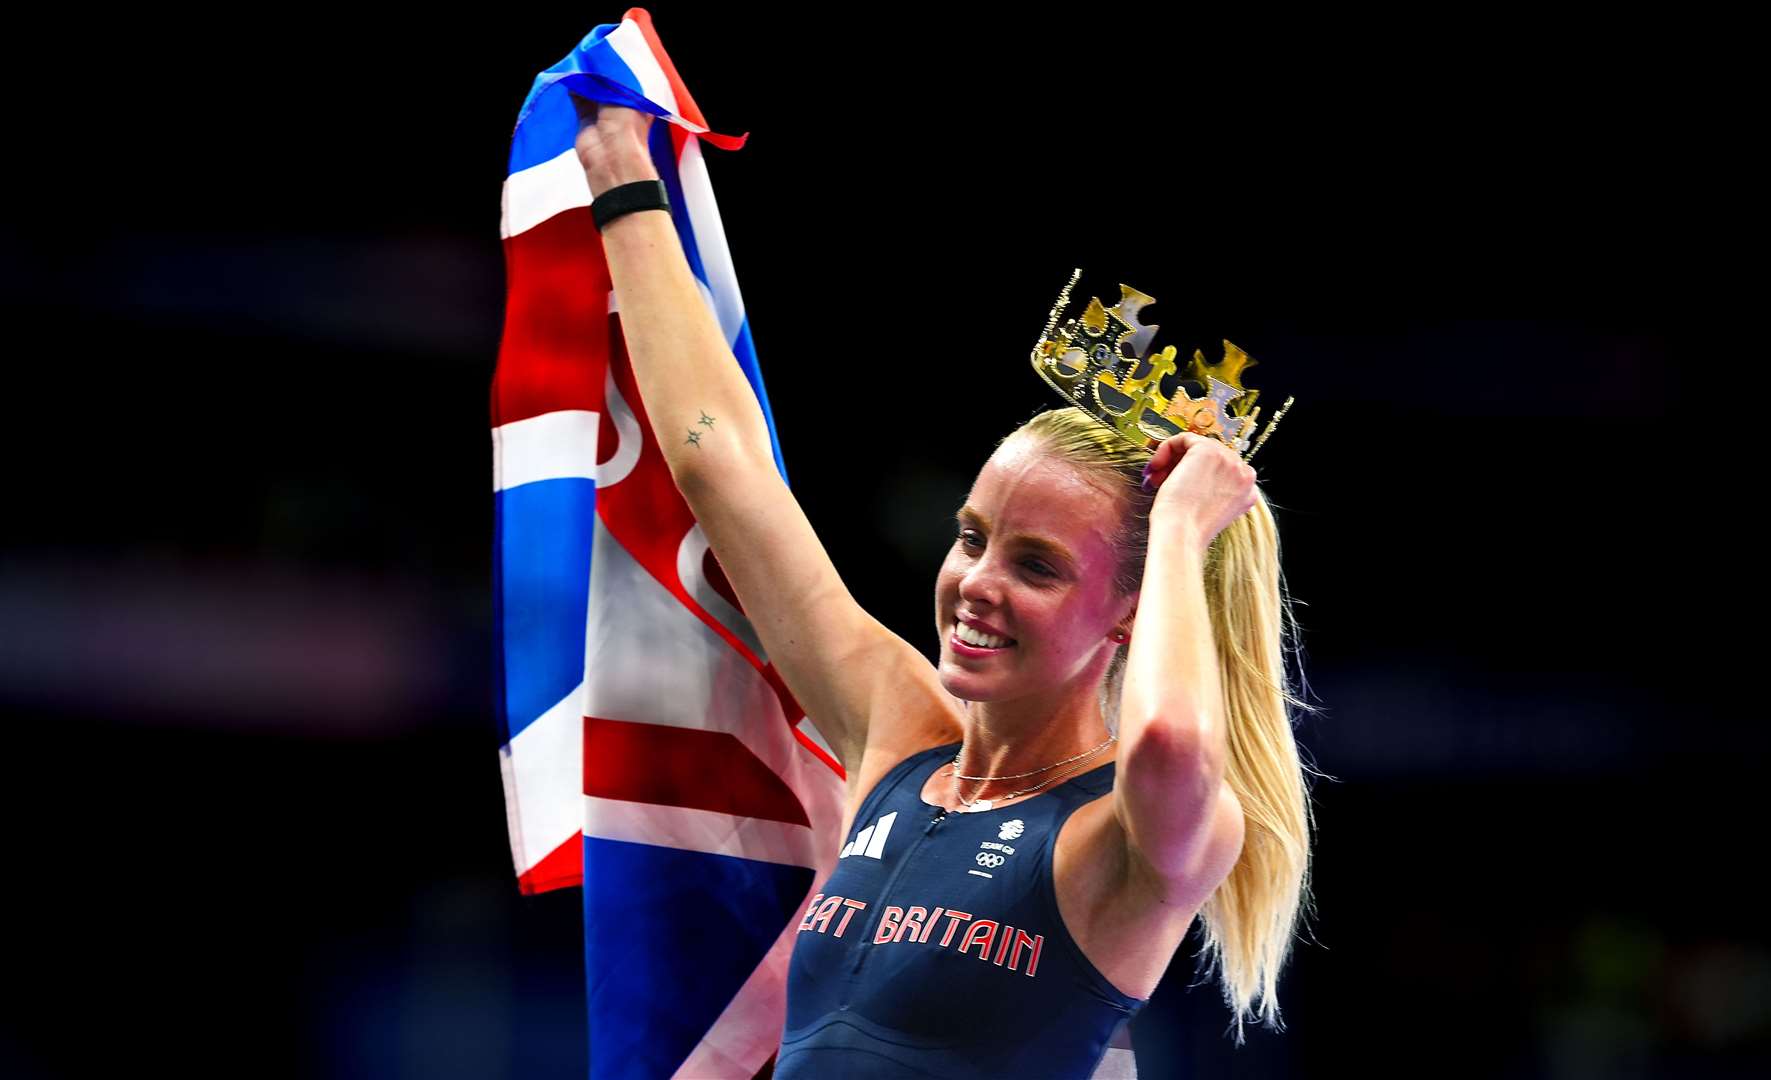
x,y
254,286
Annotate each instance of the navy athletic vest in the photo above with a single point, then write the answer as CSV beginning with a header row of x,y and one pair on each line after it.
x,y
935,947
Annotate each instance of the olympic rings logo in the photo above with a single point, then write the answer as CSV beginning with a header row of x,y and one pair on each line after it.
x,y
986,858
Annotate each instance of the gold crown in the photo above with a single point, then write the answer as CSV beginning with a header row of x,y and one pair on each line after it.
x,y
1088,364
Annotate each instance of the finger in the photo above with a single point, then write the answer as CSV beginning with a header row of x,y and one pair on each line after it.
x,y
1187,440
1175,446
1167,456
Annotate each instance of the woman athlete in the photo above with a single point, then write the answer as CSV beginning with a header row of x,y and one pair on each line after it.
x,y
1102,753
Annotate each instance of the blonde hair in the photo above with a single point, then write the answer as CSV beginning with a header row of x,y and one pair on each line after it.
x,y
1249,919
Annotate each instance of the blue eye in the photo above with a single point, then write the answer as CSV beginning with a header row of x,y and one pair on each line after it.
x,y
1037,567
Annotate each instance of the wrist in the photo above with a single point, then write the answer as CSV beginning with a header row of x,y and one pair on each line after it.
x,y
627,200
616,173
1175,524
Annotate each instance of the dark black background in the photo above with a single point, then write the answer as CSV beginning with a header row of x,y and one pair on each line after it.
x,y
254,288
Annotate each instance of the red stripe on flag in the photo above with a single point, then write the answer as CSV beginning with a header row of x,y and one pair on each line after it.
x,y
647,516
555,349
687,767
818,751
685,105
561,868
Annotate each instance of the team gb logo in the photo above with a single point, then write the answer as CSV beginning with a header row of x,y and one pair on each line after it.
x,y
1012,829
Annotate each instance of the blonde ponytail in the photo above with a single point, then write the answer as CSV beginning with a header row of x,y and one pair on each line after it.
x,y
1250,919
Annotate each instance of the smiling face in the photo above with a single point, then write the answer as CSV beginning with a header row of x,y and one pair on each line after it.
x,y
1031,558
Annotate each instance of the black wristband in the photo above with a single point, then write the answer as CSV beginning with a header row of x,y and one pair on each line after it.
x,y
625,199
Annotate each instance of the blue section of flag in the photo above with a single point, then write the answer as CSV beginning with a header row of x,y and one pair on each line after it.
x,y
745,352
671,935
547,125
664,156
656,948
545,532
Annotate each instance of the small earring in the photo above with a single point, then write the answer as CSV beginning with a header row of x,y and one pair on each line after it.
x,y
1120,636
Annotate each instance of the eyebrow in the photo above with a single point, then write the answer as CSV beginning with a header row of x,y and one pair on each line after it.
x,y
1051,547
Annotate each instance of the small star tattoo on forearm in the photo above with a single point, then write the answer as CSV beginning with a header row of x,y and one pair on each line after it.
x,y
705,419
695,437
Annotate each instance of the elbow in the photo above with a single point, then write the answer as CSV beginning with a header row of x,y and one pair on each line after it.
x,y
1189,753
709,476
690,478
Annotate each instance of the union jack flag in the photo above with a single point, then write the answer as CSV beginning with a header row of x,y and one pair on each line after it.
x,y
651,754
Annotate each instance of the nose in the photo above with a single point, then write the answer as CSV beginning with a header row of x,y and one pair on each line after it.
x,y
982,583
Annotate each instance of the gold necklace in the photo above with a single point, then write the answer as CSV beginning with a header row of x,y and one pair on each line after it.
x,y
1016,776
978,806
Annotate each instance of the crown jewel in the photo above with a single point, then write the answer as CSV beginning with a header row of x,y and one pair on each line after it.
x,y
1097,361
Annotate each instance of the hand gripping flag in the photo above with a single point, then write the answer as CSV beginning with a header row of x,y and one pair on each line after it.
x,y
651,754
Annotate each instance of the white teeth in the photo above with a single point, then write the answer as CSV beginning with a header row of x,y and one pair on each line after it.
x,y
973,637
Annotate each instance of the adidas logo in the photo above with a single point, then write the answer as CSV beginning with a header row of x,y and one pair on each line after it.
x,y
871,840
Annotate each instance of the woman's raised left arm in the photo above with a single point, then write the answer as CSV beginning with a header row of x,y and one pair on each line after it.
x,y
1171,796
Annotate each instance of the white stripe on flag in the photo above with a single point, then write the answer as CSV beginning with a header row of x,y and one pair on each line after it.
x,y
640,639
550,813
552,446
537,193
629,43
688,829
629,440
689,560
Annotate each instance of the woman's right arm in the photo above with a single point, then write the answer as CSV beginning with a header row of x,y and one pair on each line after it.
x,y
840,663
685,369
